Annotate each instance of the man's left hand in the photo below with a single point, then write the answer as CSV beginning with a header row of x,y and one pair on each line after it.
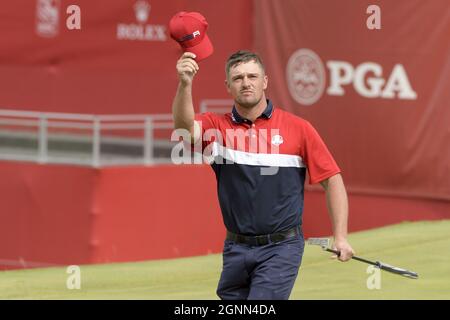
x,y
344,248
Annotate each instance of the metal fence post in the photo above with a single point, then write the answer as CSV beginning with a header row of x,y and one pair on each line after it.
x,y
148,141
203,106
43,139
96,143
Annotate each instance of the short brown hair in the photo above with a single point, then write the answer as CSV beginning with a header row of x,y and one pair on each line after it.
x,y
242,56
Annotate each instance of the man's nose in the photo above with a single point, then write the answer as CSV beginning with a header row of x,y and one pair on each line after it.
x,y
245,82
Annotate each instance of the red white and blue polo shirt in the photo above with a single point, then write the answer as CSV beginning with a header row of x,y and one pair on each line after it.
x,y
260,167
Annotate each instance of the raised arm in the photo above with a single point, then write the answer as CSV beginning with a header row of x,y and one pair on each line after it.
x,y
183,107
337,203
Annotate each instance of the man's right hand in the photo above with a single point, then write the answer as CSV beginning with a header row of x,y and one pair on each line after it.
x,y
187,68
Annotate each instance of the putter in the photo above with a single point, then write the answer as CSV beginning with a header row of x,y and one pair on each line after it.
x,y
325,242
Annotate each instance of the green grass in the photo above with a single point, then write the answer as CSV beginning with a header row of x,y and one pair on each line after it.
x,y
423,247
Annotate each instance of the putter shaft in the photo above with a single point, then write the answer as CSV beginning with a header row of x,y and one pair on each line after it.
x,y
382,266
353,257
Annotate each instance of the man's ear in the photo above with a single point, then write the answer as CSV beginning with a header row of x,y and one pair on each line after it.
x,y
266,82
227,85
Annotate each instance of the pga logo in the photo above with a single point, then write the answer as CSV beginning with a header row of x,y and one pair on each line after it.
x,y
306,79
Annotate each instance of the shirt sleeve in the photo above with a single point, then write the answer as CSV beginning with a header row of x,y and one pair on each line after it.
x,y
206,121
317,157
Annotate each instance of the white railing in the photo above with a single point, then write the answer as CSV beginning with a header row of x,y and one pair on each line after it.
x,y
92,140
32,133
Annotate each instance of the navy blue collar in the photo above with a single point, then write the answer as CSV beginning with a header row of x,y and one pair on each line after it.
x,y
267,113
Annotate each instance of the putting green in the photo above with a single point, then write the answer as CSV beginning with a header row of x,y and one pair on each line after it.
x,y
423,247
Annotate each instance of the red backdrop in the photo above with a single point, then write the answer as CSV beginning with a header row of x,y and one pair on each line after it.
x,y
96,70
385,145
383,112
64,215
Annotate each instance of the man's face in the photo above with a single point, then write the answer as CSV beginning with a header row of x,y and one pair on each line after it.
x,y
246,83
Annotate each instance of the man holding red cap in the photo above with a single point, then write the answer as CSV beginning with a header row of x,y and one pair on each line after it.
x,y
189,30
262,209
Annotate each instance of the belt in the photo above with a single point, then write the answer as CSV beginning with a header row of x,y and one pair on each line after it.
x,y
264,239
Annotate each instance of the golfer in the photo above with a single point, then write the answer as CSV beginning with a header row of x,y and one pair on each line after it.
x,y
261,189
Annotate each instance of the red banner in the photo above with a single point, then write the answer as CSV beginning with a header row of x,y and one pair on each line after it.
x,y
122,60
379,97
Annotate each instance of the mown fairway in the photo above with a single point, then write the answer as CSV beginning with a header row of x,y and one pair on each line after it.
x,y
423,247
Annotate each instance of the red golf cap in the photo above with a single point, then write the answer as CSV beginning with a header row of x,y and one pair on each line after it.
x,y
189,30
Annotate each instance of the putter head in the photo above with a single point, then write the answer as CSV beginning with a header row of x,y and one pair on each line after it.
x,y
397,270
323,242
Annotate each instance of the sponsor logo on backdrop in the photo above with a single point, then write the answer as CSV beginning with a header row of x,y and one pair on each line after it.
x,y
142,11
306,79
305,76
47,18
141,30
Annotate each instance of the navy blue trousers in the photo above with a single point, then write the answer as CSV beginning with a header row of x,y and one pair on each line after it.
x,y
260,272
